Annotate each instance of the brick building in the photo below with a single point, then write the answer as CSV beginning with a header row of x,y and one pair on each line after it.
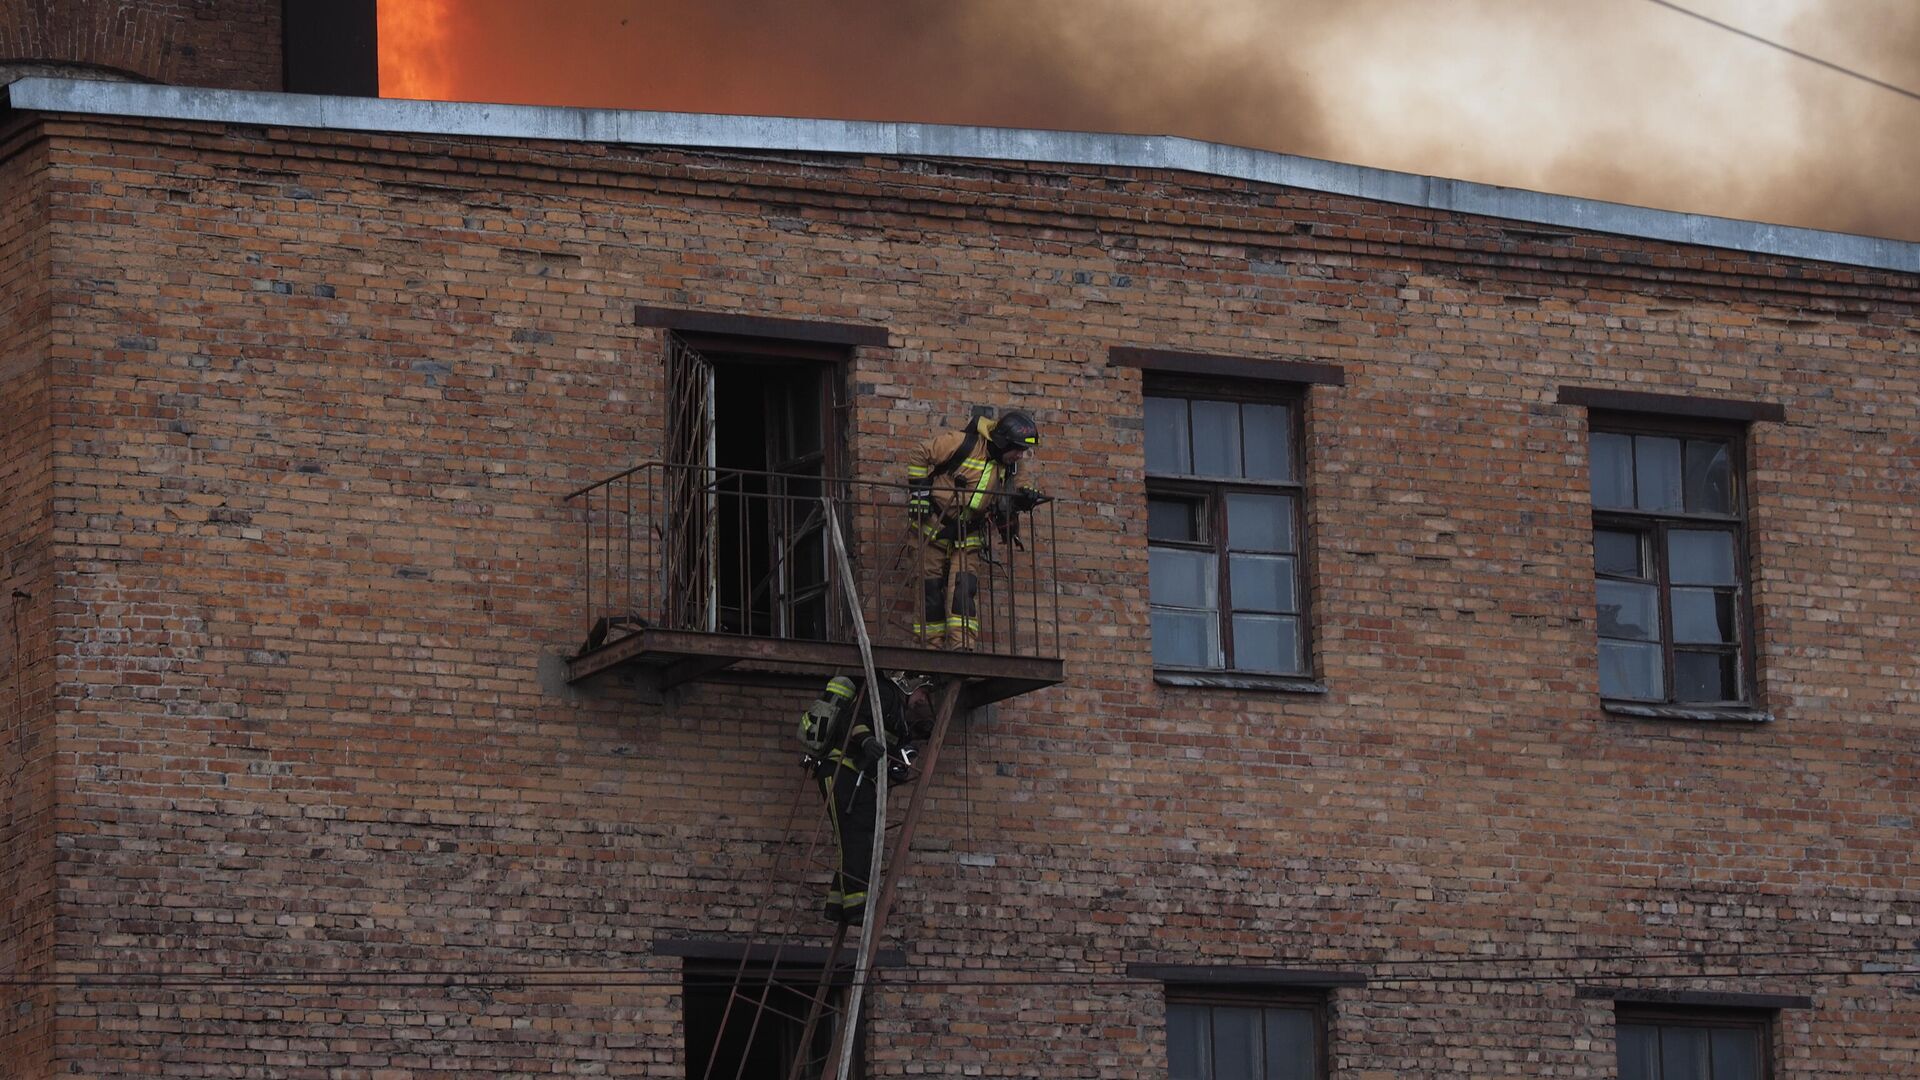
x,y
1485,622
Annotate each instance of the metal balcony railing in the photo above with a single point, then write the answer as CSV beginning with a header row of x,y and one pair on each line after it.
x,y
747,553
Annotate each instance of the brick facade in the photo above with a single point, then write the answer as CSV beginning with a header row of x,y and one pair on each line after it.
x,y
314,401
226,44
26,588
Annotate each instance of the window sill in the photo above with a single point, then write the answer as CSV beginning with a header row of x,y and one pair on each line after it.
x,y
1713,714
1237,680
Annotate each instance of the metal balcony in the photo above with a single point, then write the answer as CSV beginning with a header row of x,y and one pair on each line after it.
x,y
696,573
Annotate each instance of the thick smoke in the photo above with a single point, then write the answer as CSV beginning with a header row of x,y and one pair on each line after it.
x,y
1623,101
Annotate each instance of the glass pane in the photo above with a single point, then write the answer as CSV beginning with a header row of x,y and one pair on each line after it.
x,y
1186,639
1216,438
1736,1054
1617,553
1683,1054
1268,430
1236,1043
1704,676
1703,616
1656,472
1627,610
1700,558
1167,451
1639,1052
1260,522
1612,468
1709,477
1182,578
1290,1045
1187,1044
1266,643
1630,670
1261,583
1175,519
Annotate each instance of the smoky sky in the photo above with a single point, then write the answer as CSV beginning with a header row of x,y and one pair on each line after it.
x,y
1610,99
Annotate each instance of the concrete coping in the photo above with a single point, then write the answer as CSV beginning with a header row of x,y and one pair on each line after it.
x,y
894,139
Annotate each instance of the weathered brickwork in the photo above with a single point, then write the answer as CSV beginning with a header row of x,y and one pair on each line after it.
x,y
316,399
228,44
26,585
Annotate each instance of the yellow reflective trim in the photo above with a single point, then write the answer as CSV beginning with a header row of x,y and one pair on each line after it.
x,y
841,685
980,488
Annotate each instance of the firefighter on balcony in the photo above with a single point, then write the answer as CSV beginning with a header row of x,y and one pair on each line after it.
x,y
837,731
954,481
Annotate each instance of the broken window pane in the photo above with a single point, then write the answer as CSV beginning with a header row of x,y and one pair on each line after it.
x,y
1709,477
1628,610
1704,676
1703,616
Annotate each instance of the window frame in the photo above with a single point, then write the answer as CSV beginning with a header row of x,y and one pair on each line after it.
x,y
1303,999
701,980
1655,526
1761,1021
1214,492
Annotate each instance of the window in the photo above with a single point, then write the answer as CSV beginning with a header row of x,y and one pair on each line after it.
x,y
1224,529
1670,557
1244,1036
756,1041
1729,1044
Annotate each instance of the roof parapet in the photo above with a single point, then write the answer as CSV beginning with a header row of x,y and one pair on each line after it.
x,y
900,139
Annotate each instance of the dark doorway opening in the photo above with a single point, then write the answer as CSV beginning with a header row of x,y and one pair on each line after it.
x,y
761,1034
772,455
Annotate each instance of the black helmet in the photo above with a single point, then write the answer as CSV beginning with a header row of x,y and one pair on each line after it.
x,y
1014,428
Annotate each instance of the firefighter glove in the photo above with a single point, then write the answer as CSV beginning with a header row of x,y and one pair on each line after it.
x,y
1026,499
919,502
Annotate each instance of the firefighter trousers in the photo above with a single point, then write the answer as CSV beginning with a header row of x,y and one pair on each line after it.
x,y
850,798
950,612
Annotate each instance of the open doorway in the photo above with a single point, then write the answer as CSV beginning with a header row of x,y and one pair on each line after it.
x,y
759,430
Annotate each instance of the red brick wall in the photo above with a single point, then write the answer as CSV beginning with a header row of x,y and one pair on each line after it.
x,y
26,588
319,399
229,44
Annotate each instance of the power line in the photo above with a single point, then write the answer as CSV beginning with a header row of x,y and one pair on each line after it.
x,y
1809,57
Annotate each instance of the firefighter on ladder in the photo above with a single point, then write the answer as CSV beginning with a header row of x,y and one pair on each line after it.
x,y
837,731
954,482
